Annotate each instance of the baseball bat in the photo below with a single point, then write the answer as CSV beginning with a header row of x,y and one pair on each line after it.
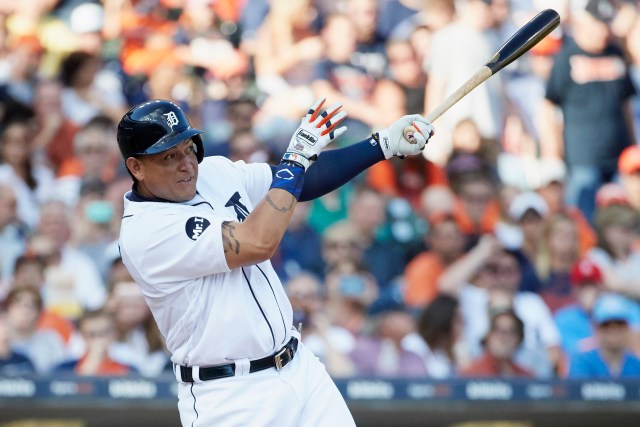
x,y
519,43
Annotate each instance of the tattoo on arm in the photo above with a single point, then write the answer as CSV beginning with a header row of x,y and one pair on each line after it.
x,y
280,208
229,242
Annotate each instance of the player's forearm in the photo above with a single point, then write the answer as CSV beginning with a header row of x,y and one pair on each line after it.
x,y
256,239
337,167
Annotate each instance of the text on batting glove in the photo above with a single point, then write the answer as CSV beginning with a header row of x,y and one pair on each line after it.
x,y
317,129
393,142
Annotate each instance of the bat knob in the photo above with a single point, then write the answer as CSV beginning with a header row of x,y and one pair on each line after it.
x,y
408,133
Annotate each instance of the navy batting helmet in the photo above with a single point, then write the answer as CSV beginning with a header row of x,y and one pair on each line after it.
x,y
155,126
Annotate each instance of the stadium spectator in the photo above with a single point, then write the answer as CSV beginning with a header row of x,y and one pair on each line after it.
x,y
551,185
476,207
557,253
505,335
528,210
445,244
370,102
31,182
381,353
93,159
615,254
138,341
385,259
457,50
19,67
629,170
53,134
341,245
43,347
287,48
633,47
406,178
299,234
613,357
438,339
73,281
30,273
331,343
436,201
497,274
575,321
88,90
12,363
12,235
590,76
98,333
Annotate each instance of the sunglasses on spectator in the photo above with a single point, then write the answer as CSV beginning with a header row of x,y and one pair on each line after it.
x,y
613,324
343,245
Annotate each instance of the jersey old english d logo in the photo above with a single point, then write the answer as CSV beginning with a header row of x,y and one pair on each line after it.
x,y
241,210
195,227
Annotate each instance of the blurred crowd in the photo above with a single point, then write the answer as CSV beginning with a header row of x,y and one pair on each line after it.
x,y
511,248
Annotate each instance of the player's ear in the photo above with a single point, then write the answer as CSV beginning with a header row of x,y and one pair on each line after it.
x,y
136,167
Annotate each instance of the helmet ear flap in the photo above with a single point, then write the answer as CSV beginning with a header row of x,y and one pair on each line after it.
x,y
199,147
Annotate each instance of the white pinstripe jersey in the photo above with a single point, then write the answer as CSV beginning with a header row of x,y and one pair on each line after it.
x,y
207,313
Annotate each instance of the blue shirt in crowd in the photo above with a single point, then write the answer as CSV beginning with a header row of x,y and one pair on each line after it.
x,y
590,364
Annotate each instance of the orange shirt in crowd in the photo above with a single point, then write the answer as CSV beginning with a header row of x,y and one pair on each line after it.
x,y
54,322
108,367
487,223
60,148
421,279
383,177
586,236
487,366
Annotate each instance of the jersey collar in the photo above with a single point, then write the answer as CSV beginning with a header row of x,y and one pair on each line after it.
x,y
136,196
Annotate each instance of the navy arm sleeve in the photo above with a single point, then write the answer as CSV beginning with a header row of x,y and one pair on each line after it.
x,y
336,167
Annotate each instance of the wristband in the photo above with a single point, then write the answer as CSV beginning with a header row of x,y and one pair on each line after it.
x,y
299,159
289,177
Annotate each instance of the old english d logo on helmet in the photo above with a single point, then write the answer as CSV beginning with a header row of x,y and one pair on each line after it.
x,y
154,127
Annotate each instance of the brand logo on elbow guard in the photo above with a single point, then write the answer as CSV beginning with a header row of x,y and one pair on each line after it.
x,y
307,137
195,226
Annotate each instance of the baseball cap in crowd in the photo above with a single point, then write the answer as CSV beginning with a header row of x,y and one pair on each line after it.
x,y
86,18
611,193
526,201
585,272
610,307
629,160
602,10
550,171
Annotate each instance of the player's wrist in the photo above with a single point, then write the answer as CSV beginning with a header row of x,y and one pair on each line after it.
x,y
289,176
296,158
383,139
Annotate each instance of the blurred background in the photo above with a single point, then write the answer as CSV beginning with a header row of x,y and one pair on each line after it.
x,y
494,281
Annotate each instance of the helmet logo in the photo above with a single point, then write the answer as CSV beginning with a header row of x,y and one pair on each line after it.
x,y
172,119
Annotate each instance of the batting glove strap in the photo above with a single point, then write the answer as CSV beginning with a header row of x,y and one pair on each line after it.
x,y
289,177
382,138
297,158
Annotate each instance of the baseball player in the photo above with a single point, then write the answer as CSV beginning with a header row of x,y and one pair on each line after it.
x,y
197,234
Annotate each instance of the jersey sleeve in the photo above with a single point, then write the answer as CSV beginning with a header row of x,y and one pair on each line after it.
x,y
256,179
172,245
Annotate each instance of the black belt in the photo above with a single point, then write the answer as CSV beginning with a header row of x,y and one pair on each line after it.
x,y
278,360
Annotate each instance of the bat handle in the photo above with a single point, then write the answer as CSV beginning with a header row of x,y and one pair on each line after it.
x,y
480,76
